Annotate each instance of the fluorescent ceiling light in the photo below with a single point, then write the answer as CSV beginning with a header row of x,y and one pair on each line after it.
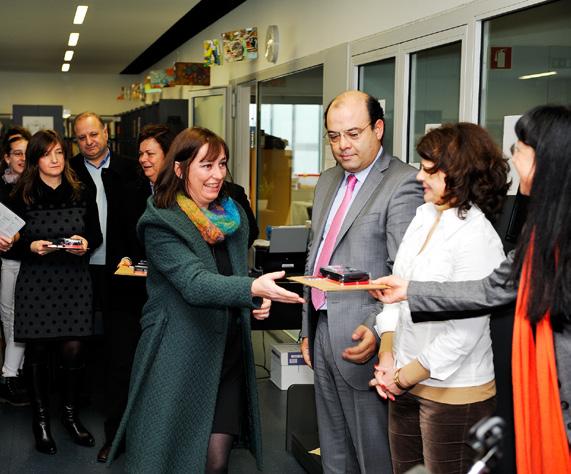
x,y
65,67
68,56
80,14
73,39
539,74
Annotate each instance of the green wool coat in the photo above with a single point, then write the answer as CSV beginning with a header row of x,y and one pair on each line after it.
x,y
177,366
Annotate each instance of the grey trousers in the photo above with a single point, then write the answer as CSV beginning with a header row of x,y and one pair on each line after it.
x,y
352,423
14,353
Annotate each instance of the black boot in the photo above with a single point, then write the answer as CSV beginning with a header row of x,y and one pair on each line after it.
x,y
12,391
38,378
70,418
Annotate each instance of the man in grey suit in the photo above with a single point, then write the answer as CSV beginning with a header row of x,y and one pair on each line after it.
x,y
361,210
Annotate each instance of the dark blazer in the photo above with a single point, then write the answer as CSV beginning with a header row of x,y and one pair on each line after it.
x,y
117,178
126,202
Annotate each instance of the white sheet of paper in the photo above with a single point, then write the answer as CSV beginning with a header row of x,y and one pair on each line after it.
x,y
10,223
509,139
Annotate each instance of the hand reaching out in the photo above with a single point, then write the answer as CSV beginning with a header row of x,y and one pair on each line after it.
x,y
394,294
266,287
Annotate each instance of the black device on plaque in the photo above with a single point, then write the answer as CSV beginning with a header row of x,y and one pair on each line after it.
x,y
344,274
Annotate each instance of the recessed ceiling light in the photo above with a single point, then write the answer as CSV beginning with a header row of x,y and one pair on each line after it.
x,y
539,74
68,56
80,14
65,67
73,39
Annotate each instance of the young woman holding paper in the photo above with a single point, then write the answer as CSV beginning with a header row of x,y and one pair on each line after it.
x,y
12,389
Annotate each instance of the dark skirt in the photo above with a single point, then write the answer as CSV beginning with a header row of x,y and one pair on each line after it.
x,y
53,300
231,400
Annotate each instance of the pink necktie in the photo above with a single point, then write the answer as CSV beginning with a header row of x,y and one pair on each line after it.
x,y
318,296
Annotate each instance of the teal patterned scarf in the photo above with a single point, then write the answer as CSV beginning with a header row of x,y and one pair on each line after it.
x,y
214,223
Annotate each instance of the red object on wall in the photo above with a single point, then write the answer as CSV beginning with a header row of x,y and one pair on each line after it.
x,y
501,57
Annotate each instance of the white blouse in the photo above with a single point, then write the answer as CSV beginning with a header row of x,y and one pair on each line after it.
x,y
458,353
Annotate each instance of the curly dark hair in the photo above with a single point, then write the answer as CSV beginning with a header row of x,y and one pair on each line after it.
x,y
476,171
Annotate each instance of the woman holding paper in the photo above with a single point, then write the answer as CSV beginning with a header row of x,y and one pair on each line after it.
x,y
53,310
193,385
12,388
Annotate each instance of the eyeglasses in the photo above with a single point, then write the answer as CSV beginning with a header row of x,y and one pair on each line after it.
x,y
352,134
17,153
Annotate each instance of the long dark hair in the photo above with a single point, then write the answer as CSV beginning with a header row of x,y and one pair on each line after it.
x,y
184,149
40,143
547,129
476,171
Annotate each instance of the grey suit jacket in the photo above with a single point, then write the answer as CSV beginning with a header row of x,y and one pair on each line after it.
x,y
432,301
368,240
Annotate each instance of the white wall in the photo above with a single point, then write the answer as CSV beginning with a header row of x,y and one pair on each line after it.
x,y
306,27
76,92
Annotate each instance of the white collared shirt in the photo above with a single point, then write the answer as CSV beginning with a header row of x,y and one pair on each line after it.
x,y
458,353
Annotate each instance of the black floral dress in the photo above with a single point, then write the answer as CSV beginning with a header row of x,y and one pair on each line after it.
x,y
53,291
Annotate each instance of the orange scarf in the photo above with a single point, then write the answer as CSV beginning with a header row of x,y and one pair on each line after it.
x,y
541,441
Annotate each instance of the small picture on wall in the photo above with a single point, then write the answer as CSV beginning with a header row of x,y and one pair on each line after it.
x,y
212,53
240,45
191,74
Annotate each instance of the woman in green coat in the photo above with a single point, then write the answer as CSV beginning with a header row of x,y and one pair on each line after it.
x,y
193,385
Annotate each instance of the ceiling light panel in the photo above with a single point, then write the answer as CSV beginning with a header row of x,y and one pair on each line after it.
x,y
539,74
73,39
65,67
80,13
68,56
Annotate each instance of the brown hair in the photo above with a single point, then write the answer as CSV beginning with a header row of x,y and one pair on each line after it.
x,y
40,143
476,171
184,149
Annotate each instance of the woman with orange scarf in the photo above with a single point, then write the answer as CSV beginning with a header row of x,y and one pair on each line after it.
x,y
539,270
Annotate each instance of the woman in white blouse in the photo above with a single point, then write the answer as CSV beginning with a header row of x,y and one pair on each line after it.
x,y
440,375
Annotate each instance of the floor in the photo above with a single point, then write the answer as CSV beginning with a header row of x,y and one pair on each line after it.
x,y
18,456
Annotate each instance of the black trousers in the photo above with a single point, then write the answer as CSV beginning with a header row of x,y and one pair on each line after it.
x,y
121,332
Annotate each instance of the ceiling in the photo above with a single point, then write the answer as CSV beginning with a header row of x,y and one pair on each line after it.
x,y
117,35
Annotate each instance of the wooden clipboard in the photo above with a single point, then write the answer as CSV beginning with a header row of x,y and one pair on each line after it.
x,y
325,284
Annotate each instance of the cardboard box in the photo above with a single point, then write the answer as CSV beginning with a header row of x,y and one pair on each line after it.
x,y
288,366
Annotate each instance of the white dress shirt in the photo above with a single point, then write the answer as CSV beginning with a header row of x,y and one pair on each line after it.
x,y
99,256
458,353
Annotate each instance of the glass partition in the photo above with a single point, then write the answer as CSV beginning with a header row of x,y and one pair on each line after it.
x,y
290,111
208,112
434,91
526,61
378,79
